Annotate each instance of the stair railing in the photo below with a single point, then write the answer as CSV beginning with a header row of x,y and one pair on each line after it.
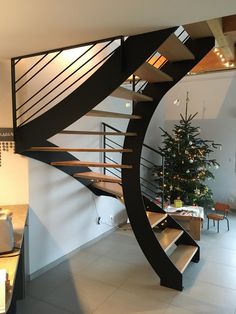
x,y
41,80
148,187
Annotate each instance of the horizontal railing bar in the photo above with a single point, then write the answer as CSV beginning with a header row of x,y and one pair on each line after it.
x,y
62,91
150,162
112,160
53,79
145,166
31,68
149,182
108,139
69,47
153,56
143,185
153,149
107,145
145,145
148,195
142,86
38,71
113,173
110,127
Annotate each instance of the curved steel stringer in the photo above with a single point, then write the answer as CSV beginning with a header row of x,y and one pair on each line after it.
x,y
169,275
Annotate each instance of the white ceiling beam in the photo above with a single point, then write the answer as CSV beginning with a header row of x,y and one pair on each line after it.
x,y
225,43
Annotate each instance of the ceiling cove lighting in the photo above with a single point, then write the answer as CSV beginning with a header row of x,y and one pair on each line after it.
x,y
222,58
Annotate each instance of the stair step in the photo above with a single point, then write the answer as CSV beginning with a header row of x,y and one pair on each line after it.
x,y
108,114
182,256
198,30
63,149
168,237
174,50
155,218
124,93
78,163
152,74
113,188
96,176
98,133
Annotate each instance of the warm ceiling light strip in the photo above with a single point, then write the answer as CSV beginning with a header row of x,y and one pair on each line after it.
x,y
227,64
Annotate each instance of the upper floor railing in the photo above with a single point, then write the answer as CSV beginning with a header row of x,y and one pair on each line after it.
x,y
42,80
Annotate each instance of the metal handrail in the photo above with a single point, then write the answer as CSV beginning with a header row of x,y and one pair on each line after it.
x,y
67,47
105,158
54,78
63,91
33,66
43,67
36,105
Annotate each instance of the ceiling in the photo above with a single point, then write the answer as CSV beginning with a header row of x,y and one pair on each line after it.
x,y
29,26
223,56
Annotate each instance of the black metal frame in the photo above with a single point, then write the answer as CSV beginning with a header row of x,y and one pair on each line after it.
x,y
126,59
135,50
160,262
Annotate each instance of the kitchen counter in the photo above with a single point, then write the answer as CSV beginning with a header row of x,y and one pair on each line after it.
x,y
11,262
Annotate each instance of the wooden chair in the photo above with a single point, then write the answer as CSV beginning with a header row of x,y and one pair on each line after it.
x,y
220,213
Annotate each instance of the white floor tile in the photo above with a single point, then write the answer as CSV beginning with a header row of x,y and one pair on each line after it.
x,y
80,294
113,277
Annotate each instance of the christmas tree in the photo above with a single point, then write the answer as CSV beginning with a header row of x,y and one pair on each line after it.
x,y
186,164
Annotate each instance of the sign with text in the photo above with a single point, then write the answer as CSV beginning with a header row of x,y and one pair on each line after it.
x,y
6,134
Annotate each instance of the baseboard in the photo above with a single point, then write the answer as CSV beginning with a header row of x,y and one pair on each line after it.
x,y
41,271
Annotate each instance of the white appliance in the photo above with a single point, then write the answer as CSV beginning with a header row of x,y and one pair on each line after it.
x,y
6,234
3,278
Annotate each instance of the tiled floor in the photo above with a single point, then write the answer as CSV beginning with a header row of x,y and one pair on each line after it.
x,y
113,277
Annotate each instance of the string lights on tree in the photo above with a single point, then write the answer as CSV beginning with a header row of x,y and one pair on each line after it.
x,y
187,163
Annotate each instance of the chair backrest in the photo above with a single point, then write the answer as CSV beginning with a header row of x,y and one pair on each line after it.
x,y
222,207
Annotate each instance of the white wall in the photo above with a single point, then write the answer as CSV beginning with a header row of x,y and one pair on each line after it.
x,y
63,215
14,168
213,97
63,212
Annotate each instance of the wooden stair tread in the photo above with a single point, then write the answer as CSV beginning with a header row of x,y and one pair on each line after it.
x,y
182,256
152,74
155,218
198,30
98,133
174,50
79,163
64,149
99,113
96,176
113,188
125,93
168,237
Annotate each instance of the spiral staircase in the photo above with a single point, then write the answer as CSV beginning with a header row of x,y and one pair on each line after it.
x,y
171,250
